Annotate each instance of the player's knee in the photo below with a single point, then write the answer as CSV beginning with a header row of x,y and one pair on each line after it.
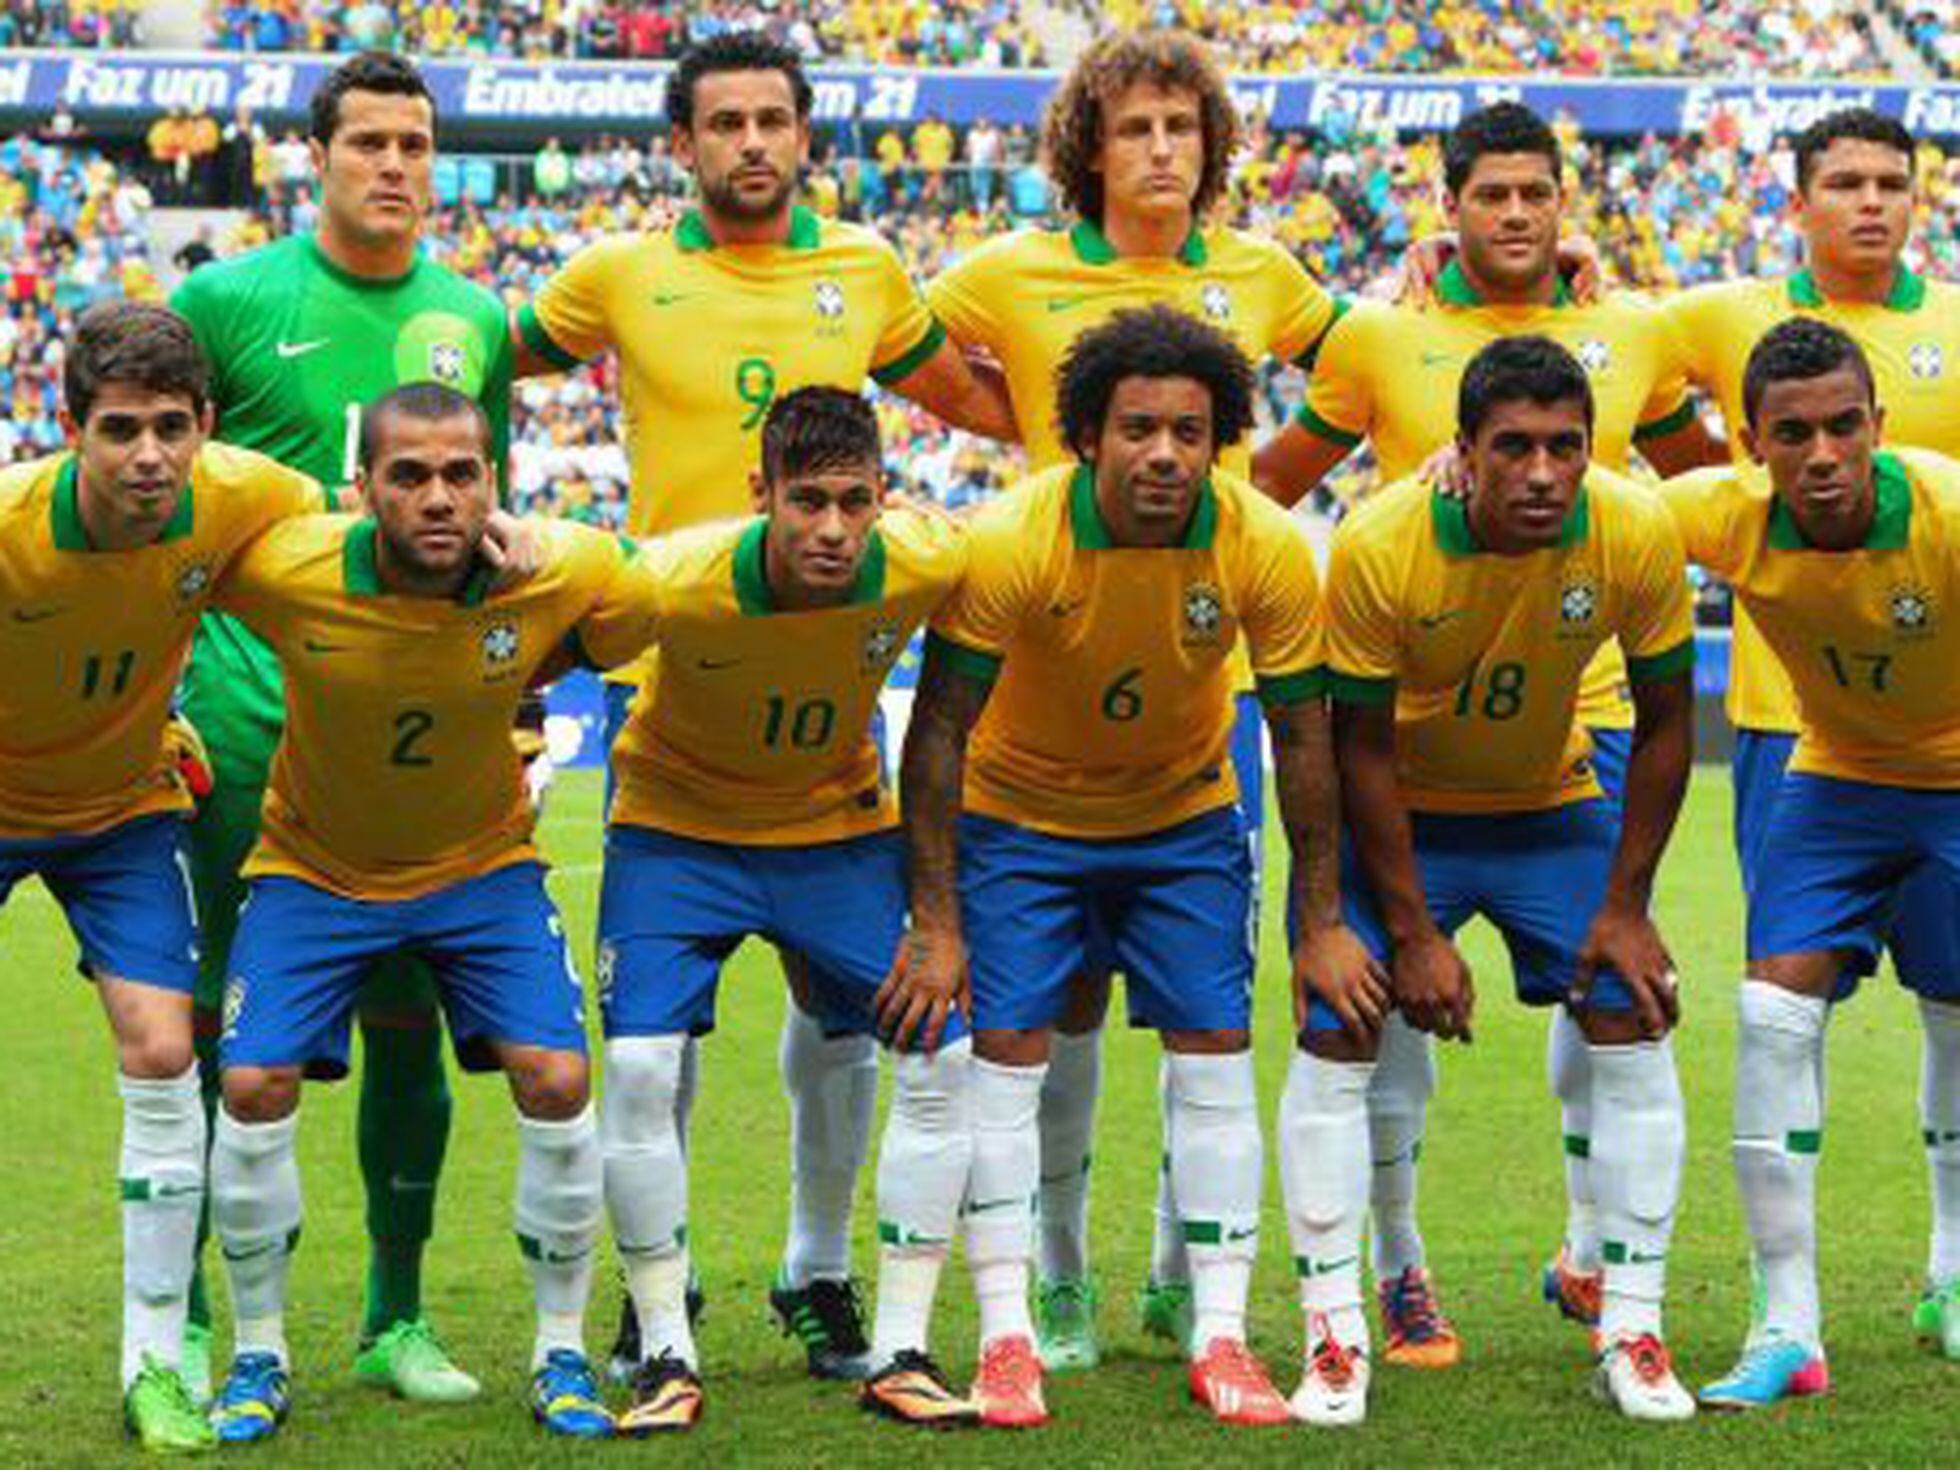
x,y
1814,973
1610,1028
551,1085
1340,1046
643,1080
261,1094
1207,1043
155,1053
1012,1048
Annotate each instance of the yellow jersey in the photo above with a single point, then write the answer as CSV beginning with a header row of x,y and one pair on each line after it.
x,y
1868,637
1389,374
755,727
93,642
1027,296
1483,654
1113,706
1912,341
396,775
708,336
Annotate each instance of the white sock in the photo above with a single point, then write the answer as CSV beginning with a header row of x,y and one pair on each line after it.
x,y
560,1202
1000,1196
1778,1132
255,1209
1168,1262
922,1176
1324,1170
1568,1061
687,1089
1217,1168
162,1172
646,1184
1639,1142
1939,1120
1068,1127
1398,1104
832,1085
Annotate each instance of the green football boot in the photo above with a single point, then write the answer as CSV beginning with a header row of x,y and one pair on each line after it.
x,y
1065,1324
162,1415
410,1362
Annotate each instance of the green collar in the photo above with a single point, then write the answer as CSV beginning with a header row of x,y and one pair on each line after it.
x,y
752,592
361,572
691,234
1453,288
65,512
347,278
1451,519
1908,291
1891,516
1092,534
1092,246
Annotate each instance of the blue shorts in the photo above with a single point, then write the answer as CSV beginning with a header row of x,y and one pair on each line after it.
x,y
1837,860
1539,877
1924,934
127,894
672,910
495,944
1612,749
1173,907
1248,752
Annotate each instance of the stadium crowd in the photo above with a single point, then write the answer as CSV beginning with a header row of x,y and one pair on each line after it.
x,y
1816,38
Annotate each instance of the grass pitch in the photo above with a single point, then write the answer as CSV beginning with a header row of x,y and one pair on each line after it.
x,y
1492,1209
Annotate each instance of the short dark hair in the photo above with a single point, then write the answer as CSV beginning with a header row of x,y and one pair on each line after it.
x,y
1861,123
371,71
1151,342
135,343
734,51
429,402
818,428
1503,127
1525,369
1801,347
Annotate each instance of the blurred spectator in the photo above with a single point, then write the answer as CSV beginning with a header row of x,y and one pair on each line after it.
x,y
551,174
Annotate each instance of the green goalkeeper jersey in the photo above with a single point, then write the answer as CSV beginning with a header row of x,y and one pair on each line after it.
x,y
297,346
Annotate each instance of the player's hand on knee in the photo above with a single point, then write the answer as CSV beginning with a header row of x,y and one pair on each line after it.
x,y
513,547
1625,941
1432,987
1333,966
926,983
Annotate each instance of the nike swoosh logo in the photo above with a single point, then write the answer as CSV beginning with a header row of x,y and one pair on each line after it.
x,y
1438,619
1438,359
711,664
1325,1268
299,349
315,645
37,614
1064,303
987,1206
410,1186
1067,609
668,298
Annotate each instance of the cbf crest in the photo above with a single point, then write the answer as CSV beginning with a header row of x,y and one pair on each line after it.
x,y
193,581
883,641
1216,301
1926,361
446,363
1204,614
1578,606
499,643
1911,610
829,302
1594,356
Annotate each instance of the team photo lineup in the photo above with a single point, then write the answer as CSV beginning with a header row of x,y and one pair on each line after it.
x,y
1351,611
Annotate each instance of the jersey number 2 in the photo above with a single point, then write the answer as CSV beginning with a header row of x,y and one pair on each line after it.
x,y
410,726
